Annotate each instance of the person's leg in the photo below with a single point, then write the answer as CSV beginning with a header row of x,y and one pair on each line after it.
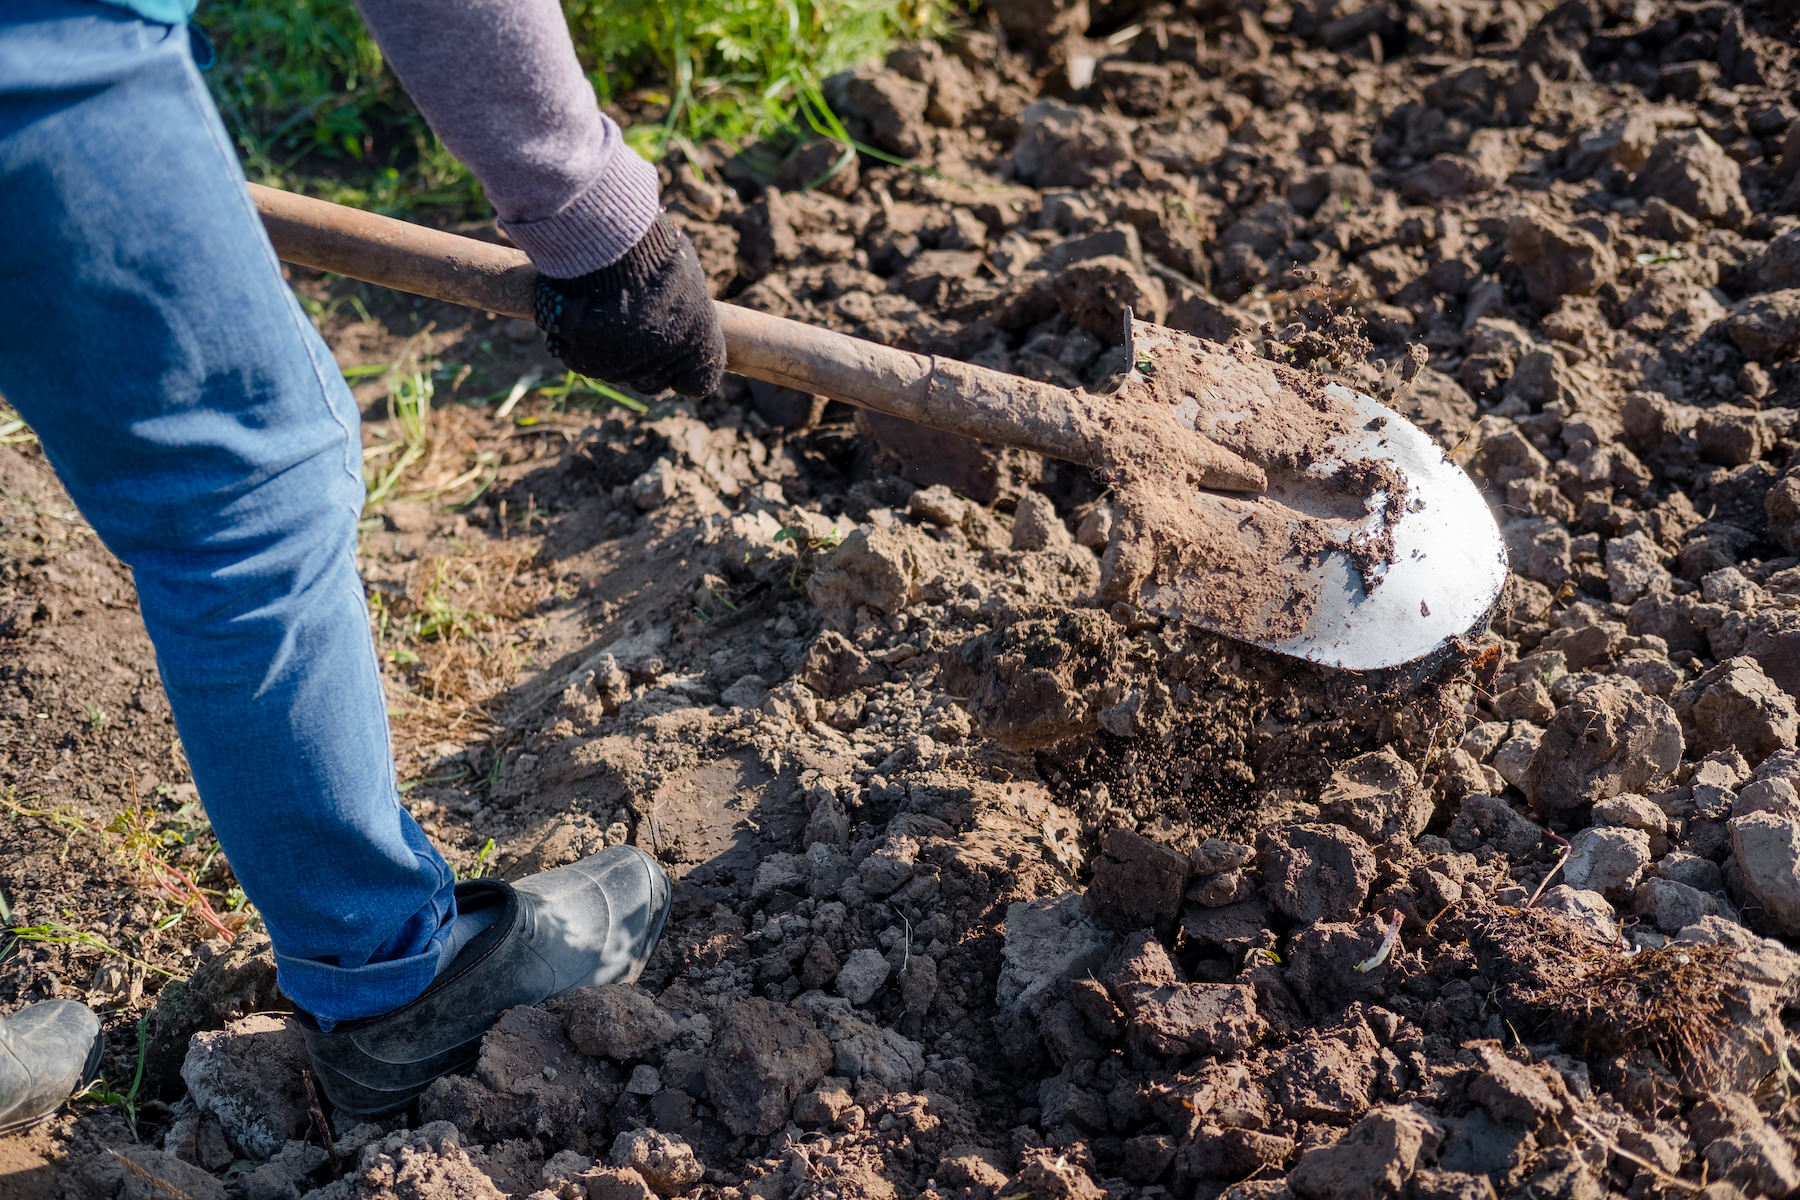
x,y
201,426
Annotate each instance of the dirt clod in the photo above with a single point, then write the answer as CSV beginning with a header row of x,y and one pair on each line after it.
x,y
1315,872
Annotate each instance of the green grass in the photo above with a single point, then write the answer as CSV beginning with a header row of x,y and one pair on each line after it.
x,y
100,1092
305,92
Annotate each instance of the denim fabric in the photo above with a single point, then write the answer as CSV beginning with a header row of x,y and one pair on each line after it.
x,y
202,427
171,12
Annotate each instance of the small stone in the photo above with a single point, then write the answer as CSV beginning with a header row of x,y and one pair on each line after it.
x,y
885,107
1773,795
1137,882
1767,847
1048,941
1216,891
1693,870
1690,171
1215,856
1515,1093
863,1050
1483,739
1529,701
888,868
820,966
1672,906
1767,327
1587,909
1738,707
1376,796
1483,820
1315,872
1608,740
655,487
780,871
613,1183
827,1105
160,1175
1741,1147
879,568
1375,1158
247,1076
1095,528
863,974
1513,758
1634,567
1607,859
1036,525
434,1157
645,1080
1634,812
1555,259
667,1163
1060,145
765,1056
1192,1018
284,1176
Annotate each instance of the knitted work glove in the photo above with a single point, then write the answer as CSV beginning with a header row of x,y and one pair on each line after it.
x,y
645,320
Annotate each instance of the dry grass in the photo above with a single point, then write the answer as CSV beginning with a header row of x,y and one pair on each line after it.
x,y
459,635
1596,1000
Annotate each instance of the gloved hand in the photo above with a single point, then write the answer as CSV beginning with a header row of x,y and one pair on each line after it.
x,y
645,320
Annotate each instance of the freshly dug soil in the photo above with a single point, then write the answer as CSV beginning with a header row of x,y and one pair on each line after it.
x,y
989,884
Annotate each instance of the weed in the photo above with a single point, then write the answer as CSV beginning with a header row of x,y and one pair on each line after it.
x,y
735,68
807,549
155,849
312,105
310,102
409,391
479,867
96,716
577,392
100,1093
13,430
56,933
140,845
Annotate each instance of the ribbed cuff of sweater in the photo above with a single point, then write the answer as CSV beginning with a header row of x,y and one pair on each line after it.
x,y
596,228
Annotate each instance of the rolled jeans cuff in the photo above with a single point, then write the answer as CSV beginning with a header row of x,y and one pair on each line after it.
x,y
331,993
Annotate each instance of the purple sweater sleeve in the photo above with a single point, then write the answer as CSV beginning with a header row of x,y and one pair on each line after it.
x,y
498,82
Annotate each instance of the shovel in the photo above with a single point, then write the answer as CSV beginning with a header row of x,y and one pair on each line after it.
x,y
1251,500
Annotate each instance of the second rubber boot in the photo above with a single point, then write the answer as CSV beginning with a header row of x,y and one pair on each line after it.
x,y
592,922
48,1052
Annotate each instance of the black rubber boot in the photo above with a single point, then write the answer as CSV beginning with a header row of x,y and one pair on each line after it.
x,y
48,1052
592,922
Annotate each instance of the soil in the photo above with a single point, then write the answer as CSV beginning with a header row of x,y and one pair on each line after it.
x,y
1229,563
989,884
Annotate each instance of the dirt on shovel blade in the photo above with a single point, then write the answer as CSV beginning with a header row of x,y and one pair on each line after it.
x,y
1238,564
988,884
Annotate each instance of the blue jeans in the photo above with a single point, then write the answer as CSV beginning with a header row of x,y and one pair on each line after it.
x,y
201,426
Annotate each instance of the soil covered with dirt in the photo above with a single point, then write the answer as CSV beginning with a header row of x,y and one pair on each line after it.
x,y
989,884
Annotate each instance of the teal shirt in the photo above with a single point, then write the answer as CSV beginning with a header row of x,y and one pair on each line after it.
x,y
164,12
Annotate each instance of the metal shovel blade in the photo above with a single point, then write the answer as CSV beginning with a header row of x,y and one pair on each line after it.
x,y
1369,547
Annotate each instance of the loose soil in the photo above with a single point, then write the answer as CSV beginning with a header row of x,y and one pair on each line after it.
x,y
989,884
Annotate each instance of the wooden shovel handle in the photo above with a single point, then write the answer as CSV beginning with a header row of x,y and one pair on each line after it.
x,y
955,397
